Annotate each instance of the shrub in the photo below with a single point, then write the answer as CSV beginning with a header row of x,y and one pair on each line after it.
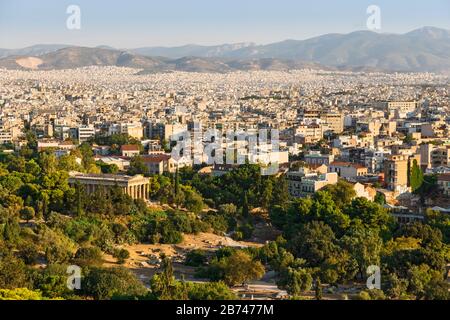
x,y
210,291
196,258
121,255
27,213
114,283
88,256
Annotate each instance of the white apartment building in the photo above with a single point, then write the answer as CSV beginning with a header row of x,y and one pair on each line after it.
x,y
134,130
83,133
303,185
5,137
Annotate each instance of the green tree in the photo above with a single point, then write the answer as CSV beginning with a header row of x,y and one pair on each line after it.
x,y
325,209
374,294
121,255
245,206
112,283
372,215
393,286
422,280
57,253
210,291
316,242
87,156
342,193
267,194
48,163
364,245
33,168
192,200
196,258
69,163
228,209
52,281
88,256
240,268
164,286
13,273
281,196
295,281
27,213
137,166
380,199
28,252
20,294
318,292
107,168
416,177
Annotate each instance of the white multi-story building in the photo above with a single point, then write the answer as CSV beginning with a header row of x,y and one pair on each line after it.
x,y
83,133
302,185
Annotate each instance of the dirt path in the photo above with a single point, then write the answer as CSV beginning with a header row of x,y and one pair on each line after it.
x,y
144,258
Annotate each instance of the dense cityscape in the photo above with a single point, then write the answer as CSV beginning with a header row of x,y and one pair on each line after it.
x,y
92,179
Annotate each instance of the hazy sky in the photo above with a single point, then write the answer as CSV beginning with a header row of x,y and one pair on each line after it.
x,y
136,23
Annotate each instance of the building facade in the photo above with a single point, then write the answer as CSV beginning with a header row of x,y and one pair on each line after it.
x,y
302,184
396,173
136,187
444,183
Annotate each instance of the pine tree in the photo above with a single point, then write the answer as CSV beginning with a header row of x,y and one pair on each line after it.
x,y
318,291
416,178
177,183
245,207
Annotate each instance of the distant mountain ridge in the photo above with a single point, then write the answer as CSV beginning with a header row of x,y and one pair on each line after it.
x,y
192,50
36,50
422,50
77,57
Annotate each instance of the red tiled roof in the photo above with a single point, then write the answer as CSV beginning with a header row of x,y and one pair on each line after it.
x,y
66,143
444,177
347,164
156,158
130,147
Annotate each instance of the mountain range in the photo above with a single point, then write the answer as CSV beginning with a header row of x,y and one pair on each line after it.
x,y
422,50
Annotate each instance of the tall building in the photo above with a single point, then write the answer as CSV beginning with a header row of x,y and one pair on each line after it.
x,y
401,109
334,122
434,156
134,130
161,131
396,173
444,183
5,136
83,133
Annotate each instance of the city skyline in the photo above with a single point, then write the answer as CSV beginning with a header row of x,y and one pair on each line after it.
x,y
176,23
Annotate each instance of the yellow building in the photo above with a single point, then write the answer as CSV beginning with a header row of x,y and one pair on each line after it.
x,y
396,173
